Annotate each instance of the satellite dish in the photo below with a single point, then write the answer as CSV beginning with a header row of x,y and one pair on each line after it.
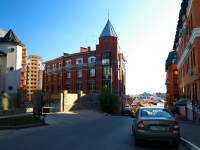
x,y
190,72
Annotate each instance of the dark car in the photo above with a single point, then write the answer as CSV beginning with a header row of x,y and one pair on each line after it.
x,y
126,111
155,123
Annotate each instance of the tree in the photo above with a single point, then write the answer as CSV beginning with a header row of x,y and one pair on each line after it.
x,y
108,100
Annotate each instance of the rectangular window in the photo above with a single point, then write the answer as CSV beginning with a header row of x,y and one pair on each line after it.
x,y
175,86
54,76
60,65
92,59
53,88
79,73
60,75
59,87
106,58
68,74
92,72
79,86
92,86
106,84
68,86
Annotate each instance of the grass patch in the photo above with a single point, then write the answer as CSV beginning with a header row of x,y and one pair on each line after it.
x,y
22,120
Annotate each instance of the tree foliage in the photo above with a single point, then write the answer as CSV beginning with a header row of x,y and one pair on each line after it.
x,y
108,101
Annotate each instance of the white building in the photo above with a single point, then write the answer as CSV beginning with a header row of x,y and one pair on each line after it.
x,y
12,63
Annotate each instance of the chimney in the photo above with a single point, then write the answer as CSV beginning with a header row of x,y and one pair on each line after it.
x,y
65,54
83,49
89,48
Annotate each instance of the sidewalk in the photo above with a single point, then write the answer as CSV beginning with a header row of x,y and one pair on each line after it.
x,y
190,133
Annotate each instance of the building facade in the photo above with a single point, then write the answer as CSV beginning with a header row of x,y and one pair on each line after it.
x,y
12,63
89,70
187,46
171,70
34,76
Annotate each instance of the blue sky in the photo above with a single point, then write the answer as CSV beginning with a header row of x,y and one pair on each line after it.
x,y
146,31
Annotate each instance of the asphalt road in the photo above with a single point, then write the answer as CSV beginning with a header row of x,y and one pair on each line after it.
x,y
76,132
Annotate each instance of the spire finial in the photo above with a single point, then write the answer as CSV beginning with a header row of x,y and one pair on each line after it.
x,y
108,14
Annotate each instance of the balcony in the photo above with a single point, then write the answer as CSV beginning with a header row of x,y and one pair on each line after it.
x,y
23,70
23,62
23,54
106,77
22,78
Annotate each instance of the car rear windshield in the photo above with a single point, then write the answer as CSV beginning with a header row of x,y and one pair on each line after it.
x,y
155,112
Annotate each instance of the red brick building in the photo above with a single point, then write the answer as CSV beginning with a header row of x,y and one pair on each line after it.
x,y
89,70
187,45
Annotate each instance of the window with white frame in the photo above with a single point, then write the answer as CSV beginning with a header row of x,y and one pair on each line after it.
x,y
68,86
54,76
79,86
106,71
68,62
106,84
92,86
91,59
54,66
79,60
79,73
60,75
68,74
92,72
48,67
106,58
60,64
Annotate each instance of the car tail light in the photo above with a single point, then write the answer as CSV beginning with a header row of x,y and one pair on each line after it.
x,y
140,125
176,126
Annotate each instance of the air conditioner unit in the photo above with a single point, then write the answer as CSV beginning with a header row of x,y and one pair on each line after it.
x,y
190,72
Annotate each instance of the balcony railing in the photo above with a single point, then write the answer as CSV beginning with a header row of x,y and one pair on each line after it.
x,y
23,69
106,77
23,62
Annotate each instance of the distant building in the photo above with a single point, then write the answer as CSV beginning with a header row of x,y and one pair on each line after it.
x,y
172,90
34,75
12,63
89,70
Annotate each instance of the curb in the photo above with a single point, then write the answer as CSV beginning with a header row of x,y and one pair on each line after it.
x,y
189,145
22,126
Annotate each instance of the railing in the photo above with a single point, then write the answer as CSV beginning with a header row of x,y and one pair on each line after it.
x,y
106,77
23,69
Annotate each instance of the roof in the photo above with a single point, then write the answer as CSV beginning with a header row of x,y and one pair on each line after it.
x,y
108,30
2,53
170,58
10,37
181,103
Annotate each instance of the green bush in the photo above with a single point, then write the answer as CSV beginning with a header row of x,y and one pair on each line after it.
x,y
108,101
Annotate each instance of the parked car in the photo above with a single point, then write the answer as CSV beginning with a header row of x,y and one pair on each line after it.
x,y
155,123
126,111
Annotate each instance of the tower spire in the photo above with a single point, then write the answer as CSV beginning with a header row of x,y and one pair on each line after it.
x,y
108,14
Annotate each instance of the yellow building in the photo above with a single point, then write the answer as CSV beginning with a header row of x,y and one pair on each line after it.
x,y
34,77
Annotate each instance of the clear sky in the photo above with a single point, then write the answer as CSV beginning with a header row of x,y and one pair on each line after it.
x,y
146,31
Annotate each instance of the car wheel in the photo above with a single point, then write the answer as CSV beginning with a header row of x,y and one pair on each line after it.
x,y
176,144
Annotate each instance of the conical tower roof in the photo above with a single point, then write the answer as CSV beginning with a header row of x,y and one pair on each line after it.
x,y
11,37
108,30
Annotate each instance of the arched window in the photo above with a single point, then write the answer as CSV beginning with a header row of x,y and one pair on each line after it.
x,y
79,60
91,59
68,62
